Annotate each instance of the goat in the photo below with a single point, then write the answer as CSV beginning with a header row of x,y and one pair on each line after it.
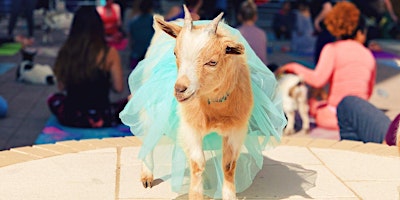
x,y
294,95
214,92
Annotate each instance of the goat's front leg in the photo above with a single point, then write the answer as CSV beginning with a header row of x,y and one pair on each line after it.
x,y
232,144
147,171
192,144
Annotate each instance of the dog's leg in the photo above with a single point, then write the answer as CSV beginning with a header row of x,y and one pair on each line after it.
x,y
231,145
147,171
289,129
303,109
192,143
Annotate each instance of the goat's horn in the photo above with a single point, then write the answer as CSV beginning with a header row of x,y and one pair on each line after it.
x,y
188,19
212,27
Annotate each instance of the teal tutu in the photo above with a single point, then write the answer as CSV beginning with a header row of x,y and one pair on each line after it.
x,y
151,114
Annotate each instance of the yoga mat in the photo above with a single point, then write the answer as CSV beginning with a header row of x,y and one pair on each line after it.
x,y
385,55
4,67
9,49
395,63
54,132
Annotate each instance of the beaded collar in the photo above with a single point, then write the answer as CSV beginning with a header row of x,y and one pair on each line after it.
x,y
220,100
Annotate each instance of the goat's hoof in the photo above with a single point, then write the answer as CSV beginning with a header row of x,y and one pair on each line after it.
x,y
147,182
195,196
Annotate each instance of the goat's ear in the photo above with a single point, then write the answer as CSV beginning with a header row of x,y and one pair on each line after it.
x,y
234,48
169,28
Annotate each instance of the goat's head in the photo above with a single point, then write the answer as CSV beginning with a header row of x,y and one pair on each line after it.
x,y
206,59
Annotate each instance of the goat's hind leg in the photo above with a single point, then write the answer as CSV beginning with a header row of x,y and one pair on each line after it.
x,y
147,171
289,129
303,110
231,150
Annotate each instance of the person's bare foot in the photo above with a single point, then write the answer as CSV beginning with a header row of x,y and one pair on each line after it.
x,y
24,41
374,46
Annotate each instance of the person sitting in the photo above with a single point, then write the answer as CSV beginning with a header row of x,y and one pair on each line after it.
x,y
303,39
176,12
346,65
283,22
140,32
87,69
360,120
110,14
254,35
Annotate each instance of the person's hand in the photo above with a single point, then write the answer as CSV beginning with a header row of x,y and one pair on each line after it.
x,y
282,70
195,16
317,26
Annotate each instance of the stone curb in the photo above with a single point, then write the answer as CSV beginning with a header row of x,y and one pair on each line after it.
x,y
35,152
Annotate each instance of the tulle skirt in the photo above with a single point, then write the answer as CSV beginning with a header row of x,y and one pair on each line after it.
x,y
152,115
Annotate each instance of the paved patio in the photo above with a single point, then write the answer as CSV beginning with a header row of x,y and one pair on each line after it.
x,y
299,168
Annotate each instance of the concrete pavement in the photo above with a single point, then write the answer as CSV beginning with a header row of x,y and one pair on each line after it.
x,y
299,168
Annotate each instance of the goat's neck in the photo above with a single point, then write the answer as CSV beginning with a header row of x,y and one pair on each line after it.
x,y
219,100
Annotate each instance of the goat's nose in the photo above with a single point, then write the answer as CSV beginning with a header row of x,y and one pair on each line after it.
x,y
179,88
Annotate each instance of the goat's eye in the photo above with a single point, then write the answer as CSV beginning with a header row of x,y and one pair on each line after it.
x,y
174,54
212,63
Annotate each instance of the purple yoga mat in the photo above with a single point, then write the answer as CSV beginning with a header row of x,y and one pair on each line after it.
x,y
384,55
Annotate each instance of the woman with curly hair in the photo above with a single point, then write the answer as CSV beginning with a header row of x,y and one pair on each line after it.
x,y
346,65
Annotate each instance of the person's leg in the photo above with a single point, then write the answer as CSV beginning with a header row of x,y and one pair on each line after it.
x,y
314,104
15,8
29,8
359,120
326,118
56,104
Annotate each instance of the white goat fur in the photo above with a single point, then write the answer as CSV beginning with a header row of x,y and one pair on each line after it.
x,y
214,92
294,96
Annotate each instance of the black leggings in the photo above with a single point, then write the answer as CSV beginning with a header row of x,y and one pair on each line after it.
x,y
90,118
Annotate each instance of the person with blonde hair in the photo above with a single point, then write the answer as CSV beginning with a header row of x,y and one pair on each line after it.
x,y
346,65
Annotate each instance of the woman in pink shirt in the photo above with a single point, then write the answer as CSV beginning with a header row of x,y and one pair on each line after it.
x,y
346,65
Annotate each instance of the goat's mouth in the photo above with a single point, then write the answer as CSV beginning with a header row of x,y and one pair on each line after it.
x,y
182,97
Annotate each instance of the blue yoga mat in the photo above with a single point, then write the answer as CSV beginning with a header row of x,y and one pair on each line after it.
x,y
54,132
4,67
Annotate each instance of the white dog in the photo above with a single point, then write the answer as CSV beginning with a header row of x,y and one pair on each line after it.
x,y
294,95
